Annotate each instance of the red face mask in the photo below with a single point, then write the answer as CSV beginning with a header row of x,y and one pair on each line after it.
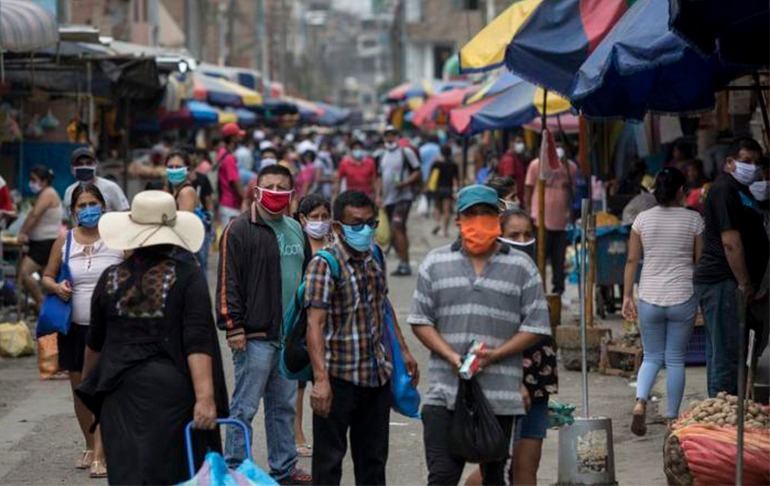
x,y
274,202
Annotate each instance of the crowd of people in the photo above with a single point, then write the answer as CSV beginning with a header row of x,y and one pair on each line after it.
x,y
143,355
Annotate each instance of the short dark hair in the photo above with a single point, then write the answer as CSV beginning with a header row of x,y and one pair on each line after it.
x,y
312,201
446,152
81,189
503,185
745,143
182,154
275,169
43,173
667,184
356,143
355,199
509,214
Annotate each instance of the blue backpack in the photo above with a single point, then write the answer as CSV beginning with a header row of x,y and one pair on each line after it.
x,y
295,359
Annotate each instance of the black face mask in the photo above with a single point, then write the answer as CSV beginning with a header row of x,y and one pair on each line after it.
x,y
529,247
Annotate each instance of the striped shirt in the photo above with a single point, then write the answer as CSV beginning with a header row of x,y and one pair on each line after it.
x,y
354,321
668,240
505,299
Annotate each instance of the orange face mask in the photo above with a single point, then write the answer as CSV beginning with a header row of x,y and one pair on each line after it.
x,y
480,232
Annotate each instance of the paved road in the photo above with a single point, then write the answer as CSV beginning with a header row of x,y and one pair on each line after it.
x,y
39,439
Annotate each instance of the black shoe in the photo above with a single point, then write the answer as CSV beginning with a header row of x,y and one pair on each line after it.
x,y
402,271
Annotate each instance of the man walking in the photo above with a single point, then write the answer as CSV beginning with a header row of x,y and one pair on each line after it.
x,y
351,370
229,179
84,164
735,256
260,268
399,171
475,289
560,187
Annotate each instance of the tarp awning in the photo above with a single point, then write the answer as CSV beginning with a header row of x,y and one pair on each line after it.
x,y
25,26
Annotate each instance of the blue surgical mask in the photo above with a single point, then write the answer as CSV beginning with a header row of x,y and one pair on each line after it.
x,y
176,175
88,217
358,240
86,173
358,154
745,172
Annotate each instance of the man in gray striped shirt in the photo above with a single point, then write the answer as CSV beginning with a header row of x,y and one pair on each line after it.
x,y
475,289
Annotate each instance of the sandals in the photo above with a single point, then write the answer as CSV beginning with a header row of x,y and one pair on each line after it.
x,y
304,450
639,418
98,470
85,461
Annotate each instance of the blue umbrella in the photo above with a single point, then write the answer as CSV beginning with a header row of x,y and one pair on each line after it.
x,y
642,65
333,115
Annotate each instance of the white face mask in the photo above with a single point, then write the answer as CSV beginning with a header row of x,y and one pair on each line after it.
x,y
560,152
745,172
760,190
268,161
391,145
509,204
519,147
317,230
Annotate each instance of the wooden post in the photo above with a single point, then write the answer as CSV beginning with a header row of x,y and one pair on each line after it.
x,y
541,201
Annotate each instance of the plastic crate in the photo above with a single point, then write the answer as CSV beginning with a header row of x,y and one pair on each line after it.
x,y
696,348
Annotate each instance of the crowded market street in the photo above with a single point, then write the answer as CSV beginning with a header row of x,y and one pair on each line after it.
x,y
39,435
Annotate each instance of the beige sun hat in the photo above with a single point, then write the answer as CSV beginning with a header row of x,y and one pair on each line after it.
x,y
153,220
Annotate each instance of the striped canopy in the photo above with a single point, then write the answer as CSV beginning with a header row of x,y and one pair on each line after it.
x,y
25,26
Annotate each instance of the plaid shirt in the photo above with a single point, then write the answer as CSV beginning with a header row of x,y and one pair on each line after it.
x,y
354,321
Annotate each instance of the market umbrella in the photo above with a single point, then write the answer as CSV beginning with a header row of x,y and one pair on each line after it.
x,y
191,113
410,89
425,115
222,92
308,110
737,30
559,37
496,84
516,106
642,65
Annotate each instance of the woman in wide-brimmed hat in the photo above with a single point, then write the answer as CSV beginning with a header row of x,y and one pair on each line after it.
x,y
152,359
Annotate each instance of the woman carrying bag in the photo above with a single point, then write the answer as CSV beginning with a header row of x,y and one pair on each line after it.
x,y
152,358
88,257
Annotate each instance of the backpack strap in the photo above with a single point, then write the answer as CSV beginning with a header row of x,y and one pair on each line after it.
x,y
331,260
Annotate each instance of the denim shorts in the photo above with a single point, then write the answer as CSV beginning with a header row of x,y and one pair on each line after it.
x,y
534,424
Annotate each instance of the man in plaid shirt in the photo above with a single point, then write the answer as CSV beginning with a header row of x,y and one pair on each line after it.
x,y
351,370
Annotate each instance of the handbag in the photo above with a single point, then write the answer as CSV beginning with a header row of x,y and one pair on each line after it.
x,y
476,435
56,314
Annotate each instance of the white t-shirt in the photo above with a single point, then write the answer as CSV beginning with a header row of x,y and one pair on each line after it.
x,y
87,263
668,241
113,196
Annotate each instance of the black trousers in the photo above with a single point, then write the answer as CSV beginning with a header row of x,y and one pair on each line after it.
x,y
366,413
446,469
555,253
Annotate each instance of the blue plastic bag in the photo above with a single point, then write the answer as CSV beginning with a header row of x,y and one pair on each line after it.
x,y
405,397
56,314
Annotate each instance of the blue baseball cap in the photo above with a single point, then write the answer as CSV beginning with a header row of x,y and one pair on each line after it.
x,y
476,194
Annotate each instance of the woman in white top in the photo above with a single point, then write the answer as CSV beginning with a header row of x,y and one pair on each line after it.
x,y
670,237
40,229
88,258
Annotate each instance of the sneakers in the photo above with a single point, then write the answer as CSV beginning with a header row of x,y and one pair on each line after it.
x,y
298,477
403,270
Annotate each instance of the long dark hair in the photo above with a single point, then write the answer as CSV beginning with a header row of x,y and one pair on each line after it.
x,y
667,185
91,189
182,154
43,173
310,202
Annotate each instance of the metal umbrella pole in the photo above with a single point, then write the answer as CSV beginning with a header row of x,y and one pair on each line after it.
x,y
742,303
584,214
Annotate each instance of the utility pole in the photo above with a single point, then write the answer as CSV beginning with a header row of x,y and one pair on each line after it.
x,y
264,61
403,40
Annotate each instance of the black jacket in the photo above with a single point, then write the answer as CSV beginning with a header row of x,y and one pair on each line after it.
x,y
249,279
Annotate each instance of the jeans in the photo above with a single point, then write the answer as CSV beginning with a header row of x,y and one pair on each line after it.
x,y
665,333
444,468
556,252
203,253
365,412
718,302
257,376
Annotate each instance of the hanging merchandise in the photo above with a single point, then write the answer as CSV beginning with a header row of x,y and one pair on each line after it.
x,y
33,129
49,122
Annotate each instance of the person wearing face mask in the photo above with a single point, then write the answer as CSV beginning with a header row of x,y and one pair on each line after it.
x,y
560,188
88,258
475,289
351,369
507,192
262,256
735,256
358,171
399,170
314,214
512,163
448,182
84,165
40,229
